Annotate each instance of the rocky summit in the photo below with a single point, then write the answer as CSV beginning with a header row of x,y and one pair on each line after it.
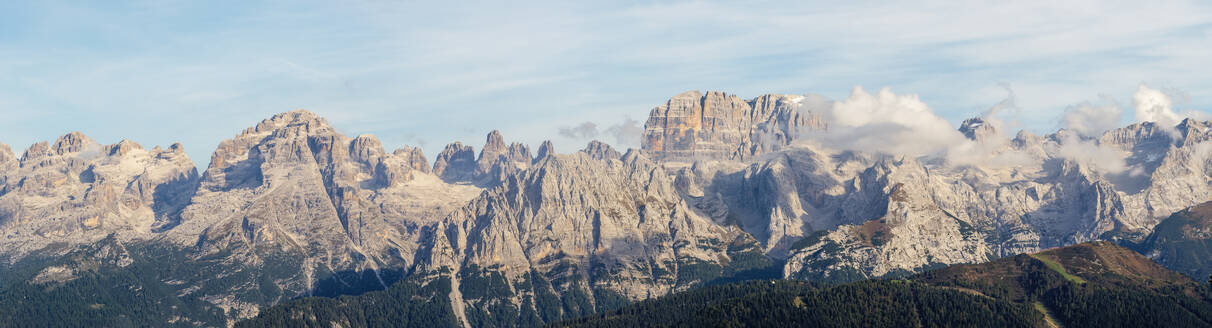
x,y
720,126
77,191
722,188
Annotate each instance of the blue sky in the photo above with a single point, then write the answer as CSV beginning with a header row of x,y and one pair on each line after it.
x,y
428,74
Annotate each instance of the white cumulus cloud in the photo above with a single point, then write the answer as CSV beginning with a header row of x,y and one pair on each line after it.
x,y
1106,160
1152,105
885,122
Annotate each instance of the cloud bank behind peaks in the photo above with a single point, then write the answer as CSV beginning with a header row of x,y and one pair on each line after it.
x,y
1152,105
887,123
1091,120
902,125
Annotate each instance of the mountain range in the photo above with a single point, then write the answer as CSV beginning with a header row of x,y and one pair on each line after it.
x,y
722,189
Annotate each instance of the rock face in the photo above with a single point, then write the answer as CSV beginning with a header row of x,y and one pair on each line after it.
x,y
1183,241
781,199
294,158
455,162
290,207
291,192
459,164
904,216
601,151
413,158
719,126
1171,169
573,234
948,213
497,161
545,150
976,129
8,163
846,216
77,190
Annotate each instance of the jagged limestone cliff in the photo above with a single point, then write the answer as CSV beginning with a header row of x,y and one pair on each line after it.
x,y
573,235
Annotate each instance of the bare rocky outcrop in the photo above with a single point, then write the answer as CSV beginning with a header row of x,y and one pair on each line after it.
x,y
413,158
290,206
817,208
496,161
977,129
459,164
923,219
800,200
720,126
783,198
293,191
546,149
601,151
78,191
455,162
283,207
575,227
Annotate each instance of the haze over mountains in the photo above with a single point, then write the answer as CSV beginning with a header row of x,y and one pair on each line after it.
x,y
723,188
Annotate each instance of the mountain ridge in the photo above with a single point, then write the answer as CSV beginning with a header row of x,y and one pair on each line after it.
x,y
721,187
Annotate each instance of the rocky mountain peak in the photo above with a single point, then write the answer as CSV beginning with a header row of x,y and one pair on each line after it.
x,y
293,190
546,149
601,151
518,152
637,159
299,140
122,148
72,142
35,152
567,220
493,155
76,190
366,148
769,105
413,157
1193,132
494,145
977,128
308,121
686,100
70,145
459,163
455,162
1025,138
692,124
283,138
717,125
1147,134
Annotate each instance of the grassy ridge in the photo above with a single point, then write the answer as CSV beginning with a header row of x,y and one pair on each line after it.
x,y
1055,266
